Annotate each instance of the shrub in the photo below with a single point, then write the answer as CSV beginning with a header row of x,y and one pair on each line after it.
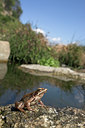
x,y
26,45
73,56
49,62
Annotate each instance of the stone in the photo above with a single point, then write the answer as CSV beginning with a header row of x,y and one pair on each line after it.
x,y
4,51
62,73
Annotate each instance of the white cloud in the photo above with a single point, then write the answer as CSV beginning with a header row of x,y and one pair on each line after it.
x,y
73,42
58,39
55,40
38,30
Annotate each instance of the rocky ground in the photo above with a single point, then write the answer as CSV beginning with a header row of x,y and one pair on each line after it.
x,y
42,117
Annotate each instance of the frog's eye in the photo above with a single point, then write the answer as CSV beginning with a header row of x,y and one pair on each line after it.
x,y
38,89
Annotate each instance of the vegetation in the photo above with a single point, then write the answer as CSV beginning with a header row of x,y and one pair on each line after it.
x,y
49,62
74,56
11,7
29,47
26,45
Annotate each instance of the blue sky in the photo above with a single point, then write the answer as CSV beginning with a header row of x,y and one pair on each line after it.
x,y
62,20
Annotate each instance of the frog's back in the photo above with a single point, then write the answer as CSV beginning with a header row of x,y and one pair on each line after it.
x,y
27,97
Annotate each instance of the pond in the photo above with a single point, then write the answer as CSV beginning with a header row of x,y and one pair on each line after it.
x,y
14,84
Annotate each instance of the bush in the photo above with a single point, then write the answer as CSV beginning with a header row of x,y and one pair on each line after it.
x,y
26,45
73,56
49,62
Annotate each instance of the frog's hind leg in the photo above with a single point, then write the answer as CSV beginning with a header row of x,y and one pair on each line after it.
x,y
20,106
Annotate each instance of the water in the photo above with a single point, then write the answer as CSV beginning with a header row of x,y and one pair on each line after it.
x,y
15,83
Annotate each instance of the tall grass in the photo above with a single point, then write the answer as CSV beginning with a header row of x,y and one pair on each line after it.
x,y
74,56
26,45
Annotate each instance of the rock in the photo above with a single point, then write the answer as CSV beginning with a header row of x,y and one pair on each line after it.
x,y
42,117
60,73
3,70
4,51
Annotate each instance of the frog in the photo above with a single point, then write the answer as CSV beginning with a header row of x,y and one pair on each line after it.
x,y
31,99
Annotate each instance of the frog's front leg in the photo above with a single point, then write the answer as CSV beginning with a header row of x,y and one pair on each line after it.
x,y
42,104
22,110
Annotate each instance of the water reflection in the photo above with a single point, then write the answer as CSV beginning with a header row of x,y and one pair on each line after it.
x,y
3,70
60,93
